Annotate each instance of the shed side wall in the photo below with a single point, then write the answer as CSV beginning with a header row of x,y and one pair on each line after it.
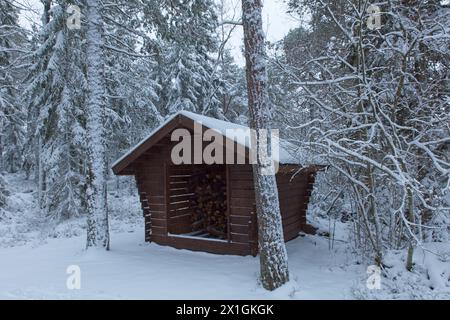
x,y
150,179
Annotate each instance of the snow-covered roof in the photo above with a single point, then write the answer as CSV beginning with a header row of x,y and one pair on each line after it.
x,y
289,153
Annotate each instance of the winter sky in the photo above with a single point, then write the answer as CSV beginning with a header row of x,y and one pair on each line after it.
x,y
277,22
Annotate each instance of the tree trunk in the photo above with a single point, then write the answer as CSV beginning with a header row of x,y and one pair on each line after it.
x,y
410,256
1,147
272,249
96,192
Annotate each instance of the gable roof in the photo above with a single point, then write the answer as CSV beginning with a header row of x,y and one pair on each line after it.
x,y
289,153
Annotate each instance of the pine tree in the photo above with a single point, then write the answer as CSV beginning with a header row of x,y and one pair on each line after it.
x,y
232,90
129,69
12,122
272,249
185,68
55,97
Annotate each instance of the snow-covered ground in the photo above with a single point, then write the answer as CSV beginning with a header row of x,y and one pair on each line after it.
x,y
34,258
135,270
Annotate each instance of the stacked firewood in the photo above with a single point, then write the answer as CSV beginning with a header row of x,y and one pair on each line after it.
x,y
209,204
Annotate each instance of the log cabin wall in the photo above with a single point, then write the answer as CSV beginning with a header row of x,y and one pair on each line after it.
x,y
179,204
165,203
150,180
180,193
241,204
157,178
291,191
309,186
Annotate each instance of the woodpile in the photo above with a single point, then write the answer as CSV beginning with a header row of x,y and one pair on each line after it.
x,y
209,205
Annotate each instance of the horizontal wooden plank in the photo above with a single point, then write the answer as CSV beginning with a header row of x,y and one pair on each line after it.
x,y
239,238
149,162
240,220
156,190
290,236
179,228
288,229
178,184
242,177
179,205
145,167
241,202
238,228
243,193
159,230
217,247
152,175
181,197
238,187
158,215
291,194
290,207
180,211
157,207
151,184
159,222
241,211
290,187
184,215
173,192
241,184
178,178
288,214
240,168
156,199
292,218
180,224
153,154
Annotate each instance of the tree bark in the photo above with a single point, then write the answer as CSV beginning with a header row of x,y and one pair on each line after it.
x,y
410,256
272,249
96,192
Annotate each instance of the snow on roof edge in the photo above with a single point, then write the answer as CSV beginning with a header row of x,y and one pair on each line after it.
x,y
288,152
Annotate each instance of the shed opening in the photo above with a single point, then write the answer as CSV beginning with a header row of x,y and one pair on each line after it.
x,y
197,202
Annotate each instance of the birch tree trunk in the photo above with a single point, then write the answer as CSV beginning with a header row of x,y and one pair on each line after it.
x,y
272,249
96,192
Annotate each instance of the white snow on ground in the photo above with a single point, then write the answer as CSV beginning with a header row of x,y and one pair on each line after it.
x,y
135,270
34,258
20,225
430,278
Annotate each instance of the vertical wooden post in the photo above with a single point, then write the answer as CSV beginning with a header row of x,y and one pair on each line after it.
x,y
167,195
228,182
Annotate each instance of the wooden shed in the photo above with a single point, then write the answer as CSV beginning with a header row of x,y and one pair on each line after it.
x,y
210,207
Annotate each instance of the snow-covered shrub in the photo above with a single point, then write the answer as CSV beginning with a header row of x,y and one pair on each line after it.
x,y
429,278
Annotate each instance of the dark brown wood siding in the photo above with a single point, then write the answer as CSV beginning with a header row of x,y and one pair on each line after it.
x,y
166,216
242,213
150,179
180,210
291,190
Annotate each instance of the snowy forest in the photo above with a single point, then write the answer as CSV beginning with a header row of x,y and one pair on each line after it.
x,y
361,84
